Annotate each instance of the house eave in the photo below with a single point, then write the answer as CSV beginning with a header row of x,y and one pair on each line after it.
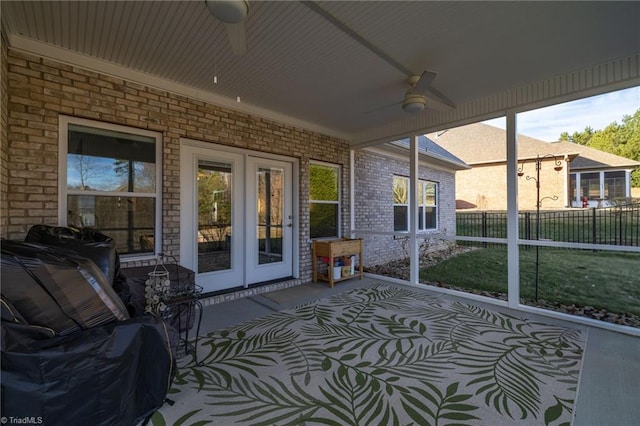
x,y
425,157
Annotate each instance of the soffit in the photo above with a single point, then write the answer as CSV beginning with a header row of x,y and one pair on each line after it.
x,y
301,69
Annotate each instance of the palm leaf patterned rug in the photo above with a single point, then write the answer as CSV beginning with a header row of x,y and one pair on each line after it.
x,y
380,355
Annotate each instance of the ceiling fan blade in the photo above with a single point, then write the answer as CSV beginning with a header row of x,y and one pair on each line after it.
x,y
383,107
237,38
438,101
424,82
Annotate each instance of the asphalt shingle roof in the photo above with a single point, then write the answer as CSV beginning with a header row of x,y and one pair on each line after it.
x,y
431,148
591,158
481,143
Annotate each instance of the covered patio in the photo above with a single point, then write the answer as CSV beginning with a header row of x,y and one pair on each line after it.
x,y
605,393
248,107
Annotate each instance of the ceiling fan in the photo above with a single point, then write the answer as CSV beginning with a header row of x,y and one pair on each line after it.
x,y
415,98
232,13
419,95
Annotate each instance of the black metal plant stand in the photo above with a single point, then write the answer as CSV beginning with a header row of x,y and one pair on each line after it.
x,y
180,305
558,166
188,309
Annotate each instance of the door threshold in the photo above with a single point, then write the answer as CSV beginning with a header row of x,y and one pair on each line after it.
x,y
239,292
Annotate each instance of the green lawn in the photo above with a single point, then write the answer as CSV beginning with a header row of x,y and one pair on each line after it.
x,y
604,280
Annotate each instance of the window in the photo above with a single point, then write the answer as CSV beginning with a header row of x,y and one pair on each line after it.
x,y
615,185
590,185
110,181
400,203
427,204
324,205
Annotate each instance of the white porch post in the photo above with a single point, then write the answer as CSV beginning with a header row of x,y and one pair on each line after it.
x,y
414,262
513,261
567,182
352,192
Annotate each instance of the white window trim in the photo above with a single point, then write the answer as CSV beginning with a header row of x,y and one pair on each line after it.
x,y
424,206
338,167
420,204
63,132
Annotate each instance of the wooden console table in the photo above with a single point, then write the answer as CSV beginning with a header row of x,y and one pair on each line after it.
x,y
332,249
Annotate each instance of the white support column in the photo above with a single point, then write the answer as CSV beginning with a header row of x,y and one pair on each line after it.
x,y
352,192
414,261
567,182
578,199
513,258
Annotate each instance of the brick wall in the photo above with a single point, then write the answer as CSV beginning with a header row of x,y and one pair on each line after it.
x,y
485,187
374,203
39,90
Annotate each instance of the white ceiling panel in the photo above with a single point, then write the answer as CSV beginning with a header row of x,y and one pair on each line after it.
x,y
302,66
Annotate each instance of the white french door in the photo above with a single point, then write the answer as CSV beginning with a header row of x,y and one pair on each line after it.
x,y
269,231
236,225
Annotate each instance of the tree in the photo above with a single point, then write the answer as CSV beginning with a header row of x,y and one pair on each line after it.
x,y
619,139
86,169
582,138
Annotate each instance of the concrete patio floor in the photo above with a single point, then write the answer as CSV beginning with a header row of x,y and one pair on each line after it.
x,y
609,388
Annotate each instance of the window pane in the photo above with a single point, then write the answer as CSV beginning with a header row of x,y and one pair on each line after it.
x,y
400,190
103,160
614,185
430,193
590,185
324,220
324,186
421,218
431,215
130,221
400,218
270,210
109,175
323,183
215,182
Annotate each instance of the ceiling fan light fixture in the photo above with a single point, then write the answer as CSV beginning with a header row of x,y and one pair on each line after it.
x,y
414,103
228,11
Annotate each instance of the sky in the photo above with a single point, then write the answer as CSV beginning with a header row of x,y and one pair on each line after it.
x,y
597,112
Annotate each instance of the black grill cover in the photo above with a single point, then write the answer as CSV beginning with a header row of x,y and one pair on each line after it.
x,y
116,374
57,288
89,243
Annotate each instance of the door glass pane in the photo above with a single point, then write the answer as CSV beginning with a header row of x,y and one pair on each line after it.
x,y
214,216
270,205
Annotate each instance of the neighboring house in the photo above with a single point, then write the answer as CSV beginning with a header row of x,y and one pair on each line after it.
x,y
382,197
597,175
591,173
